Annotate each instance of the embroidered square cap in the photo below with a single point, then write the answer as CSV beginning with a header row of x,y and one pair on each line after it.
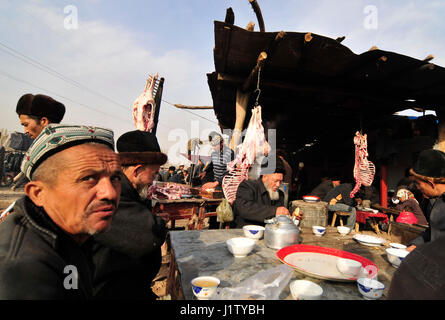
x,y
57,137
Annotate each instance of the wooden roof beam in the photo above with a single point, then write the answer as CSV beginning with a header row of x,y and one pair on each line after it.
x,y
181,106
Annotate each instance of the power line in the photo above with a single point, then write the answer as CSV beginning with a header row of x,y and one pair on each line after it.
x,y
54,73
190,112
56,94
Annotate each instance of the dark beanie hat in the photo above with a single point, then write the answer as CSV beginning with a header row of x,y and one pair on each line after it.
x,y
430,164
40,105
139,147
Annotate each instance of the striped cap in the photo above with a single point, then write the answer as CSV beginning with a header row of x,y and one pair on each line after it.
x,y
57,137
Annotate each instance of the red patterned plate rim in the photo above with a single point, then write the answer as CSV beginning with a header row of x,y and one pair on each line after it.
x,y
282,253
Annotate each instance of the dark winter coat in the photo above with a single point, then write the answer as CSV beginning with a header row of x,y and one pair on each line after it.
x,y
128,255
34,254
253,204
421,275
436,212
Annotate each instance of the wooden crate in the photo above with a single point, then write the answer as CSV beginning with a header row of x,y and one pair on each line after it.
x,y
404,233
315,213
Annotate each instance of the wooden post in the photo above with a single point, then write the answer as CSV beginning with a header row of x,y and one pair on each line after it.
x,y
254,73
383,186
259,15
158,99
241,106
440,112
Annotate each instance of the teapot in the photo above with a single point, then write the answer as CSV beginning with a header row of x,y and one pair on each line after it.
x,y
280,232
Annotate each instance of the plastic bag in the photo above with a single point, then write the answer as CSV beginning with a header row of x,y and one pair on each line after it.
x,y
224,212
406,217
265,285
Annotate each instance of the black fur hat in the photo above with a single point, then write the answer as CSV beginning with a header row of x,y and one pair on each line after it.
x,y
430,164
139,147
40,105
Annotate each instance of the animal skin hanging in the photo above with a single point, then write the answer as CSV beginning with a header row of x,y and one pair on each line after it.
x,y
364,170
254,145
144,106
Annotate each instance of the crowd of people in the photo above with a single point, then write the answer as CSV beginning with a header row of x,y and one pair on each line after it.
x,y
85,227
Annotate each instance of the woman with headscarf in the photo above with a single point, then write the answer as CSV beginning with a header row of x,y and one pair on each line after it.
x,y
405,201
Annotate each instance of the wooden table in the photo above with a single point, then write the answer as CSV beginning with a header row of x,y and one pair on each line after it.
x,y
193,209
199,253
362,216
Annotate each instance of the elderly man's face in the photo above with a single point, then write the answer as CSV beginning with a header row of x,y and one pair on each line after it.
x,y
144,179
273,181
85,194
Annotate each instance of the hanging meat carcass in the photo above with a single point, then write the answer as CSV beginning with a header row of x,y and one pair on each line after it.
x,y
364,170
254,145
144,106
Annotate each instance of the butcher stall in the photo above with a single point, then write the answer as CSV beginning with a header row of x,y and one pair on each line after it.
x,y
316,93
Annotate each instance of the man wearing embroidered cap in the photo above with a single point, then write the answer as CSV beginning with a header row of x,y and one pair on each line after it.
x,y
45,243
128,256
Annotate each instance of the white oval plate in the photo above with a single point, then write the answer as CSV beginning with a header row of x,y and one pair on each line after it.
x,y
369,240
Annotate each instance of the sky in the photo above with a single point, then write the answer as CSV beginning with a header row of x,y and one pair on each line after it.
x,y
95,55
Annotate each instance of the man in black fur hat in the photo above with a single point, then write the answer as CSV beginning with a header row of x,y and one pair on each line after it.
x,y
128,256
421,275
37,111
261,199
429,174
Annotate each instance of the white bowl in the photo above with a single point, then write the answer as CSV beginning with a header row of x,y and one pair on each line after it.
x,y
397,245
370,289
343,230
305,290
253,232
240,247
204,287
349,267
318,230
395,256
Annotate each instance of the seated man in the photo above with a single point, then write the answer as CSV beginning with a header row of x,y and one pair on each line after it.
x,y
128,255
261,199
429,174
324,187
338,199
45,243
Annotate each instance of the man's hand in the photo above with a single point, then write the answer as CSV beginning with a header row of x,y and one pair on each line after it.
x,y
209,185
282,211
411,248
298,214
202,175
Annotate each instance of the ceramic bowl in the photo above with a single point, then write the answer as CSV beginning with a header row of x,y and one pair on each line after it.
x,y
318,230
204,287
240,247
343,230
349,267
397,245
305,290
370,289
253,232
396,256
